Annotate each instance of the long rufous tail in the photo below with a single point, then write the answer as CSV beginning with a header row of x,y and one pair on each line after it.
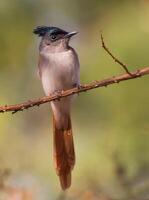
x,y
64,154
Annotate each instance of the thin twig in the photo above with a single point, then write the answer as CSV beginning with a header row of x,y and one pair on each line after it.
x,y
114,58
83,88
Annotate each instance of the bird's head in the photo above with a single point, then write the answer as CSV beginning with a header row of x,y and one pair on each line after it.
x,y
53,36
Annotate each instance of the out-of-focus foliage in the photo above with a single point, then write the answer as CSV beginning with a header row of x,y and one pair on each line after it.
x,y
111,125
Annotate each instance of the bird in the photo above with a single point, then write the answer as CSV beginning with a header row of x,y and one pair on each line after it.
x,y
59,70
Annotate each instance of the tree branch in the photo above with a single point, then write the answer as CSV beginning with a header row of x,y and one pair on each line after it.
x,y
83,88
114,58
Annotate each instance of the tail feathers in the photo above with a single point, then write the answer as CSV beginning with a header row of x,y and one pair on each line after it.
x,y
65,180
64,154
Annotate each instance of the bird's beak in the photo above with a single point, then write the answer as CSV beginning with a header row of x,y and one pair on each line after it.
x,y
70,34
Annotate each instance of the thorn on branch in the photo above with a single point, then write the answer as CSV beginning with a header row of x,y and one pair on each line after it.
x,y
15,111
115,80
138,73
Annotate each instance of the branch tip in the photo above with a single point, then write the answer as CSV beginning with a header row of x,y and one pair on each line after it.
x,y
113,57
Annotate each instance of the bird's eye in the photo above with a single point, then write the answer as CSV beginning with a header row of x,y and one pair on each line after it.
x,y
53,37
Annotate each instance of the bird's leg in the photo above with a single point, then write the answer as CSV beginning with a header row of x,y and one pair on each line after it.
x,y
78,86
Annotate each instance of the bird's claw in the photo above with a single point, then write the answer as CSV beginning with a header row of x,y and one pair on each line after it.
x,y
80,86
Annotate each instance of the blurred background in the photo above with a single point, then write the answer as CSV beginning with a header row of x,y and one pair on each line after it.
x,y
111,125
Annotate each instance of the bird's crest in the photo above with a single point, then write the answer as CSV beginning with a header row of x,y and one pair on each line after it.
x,y
41,30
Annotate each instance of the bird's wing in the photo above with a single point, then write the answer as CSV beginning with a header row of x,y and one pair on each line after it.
x,y
42,62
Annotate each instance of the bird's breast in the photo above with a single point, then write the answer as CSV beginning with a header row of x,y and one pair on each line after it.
x,y
60,71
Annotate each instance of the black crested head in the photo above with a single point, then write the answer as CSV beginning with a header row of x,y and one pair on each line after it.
x,y
42,30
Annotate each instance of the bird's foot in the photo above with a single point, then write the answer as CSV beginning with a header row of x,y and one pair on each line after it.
x,y
79,86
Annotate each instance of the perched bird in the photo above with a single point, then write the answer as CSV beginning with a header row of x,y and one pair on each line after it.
x,y
58,71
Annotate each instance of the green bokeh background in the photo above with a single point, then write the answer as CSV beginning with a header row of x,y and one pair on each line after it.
x,y
111,125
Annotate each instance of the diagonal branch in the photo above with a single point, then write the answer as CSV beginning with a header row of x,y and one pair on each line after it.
x,y
83,88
